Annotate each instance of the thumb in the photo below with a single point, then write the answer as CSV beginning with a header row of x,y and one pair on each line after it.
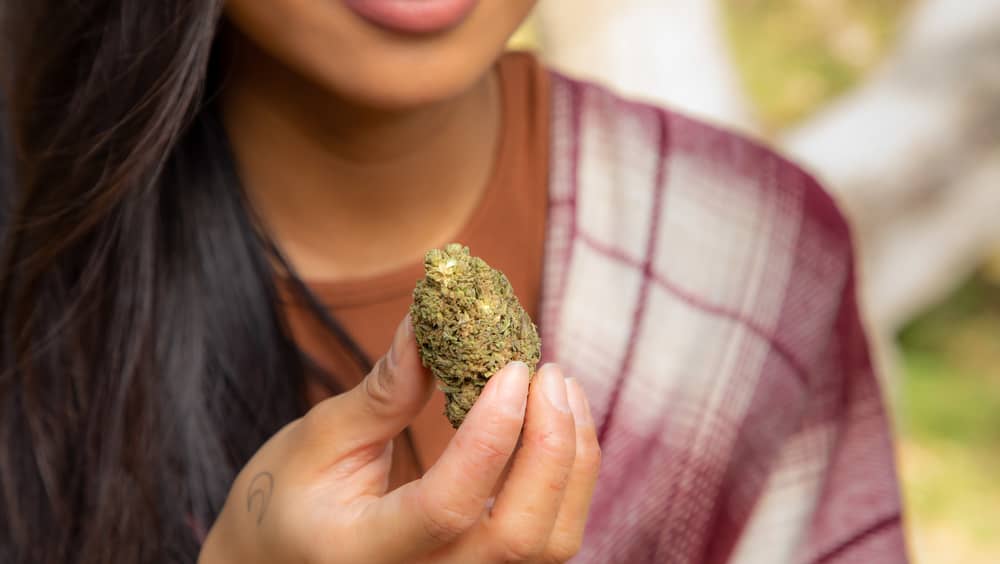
x,y
390,396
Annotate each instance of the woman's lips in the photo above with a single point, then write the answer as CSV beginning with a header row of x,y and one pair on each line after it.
x,y
413,16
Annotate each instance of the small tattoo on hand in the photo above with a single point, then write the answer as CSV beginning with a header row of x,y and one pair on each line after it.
x,y
261,487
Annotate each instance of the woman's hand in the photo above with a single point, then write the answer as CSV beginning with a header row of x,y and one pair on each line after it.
x,y
316,492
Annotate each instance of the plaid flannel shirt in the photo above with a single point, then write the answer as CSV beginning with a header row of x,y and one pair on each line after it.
x,y
702,290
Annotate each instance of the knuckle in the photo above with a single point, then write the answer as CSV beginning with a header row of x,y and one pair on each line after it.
x,y
589,457
443,524
378,388
487,449
501,419
555,446
558,484
312,423
442,521
518,544
562,548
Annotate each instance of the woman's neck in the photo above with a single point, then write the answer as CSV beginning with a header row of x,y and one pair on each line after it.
x,y
337,184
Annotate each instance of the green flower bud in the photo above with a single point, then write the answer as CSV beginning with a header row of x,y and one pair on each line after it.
x,y
468,324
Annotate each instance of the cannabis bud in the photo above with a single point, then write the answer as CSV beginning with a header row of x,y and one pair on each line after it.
x,y
468,324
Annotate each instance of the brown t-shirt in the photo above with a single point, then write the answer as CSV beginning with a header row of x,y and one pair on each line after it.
x,y
507,229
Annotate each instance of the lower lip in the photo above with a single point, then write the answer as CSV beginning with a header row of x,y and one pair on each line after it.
x,y
413,16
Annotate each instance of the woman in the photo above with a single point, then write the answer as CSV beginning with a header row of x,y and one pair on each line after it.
x,y
218,213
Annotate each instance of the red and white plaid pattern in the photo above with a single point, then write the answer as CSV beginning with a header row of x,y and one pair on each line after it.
x,y
701,288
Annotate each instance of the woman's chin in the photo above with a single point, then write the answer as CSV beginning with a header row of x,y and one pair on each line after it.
x,y
406,87
360,50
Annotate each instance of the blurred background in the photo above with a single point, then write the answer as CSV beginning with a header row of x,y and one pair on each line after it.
x,y
895,106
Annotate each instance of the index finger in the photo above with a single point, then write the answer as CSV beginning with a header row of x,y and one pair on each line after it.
x,y
451,496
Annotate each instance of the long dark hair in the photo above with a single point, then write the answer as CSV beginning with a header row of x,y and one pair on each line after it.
x,y
143,356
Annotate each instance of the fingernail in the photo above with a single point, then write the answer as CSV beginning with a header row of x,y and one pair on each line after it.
x,y
514,386
403,333
578,403
554,387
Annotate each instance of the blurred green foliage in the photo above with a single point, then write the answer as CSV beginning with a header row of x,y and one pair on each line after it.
x,y
943,402
952,366
795,55
949,415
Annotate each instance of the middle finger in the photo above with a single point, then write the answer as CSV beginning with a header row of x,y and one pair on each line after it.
x,y
525,511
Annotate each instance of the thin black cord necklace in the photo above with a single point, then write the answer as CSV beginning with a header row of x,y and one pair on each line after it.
x,y
361,360
337,330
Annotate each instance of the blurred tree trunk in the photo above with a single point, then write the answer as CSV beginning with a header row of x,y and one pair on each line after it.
x,y
914,156
668,51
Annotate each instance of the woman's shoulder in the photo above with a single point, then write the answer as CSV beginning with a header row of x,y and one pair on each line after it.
x,y
690,224
624,144
705,201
